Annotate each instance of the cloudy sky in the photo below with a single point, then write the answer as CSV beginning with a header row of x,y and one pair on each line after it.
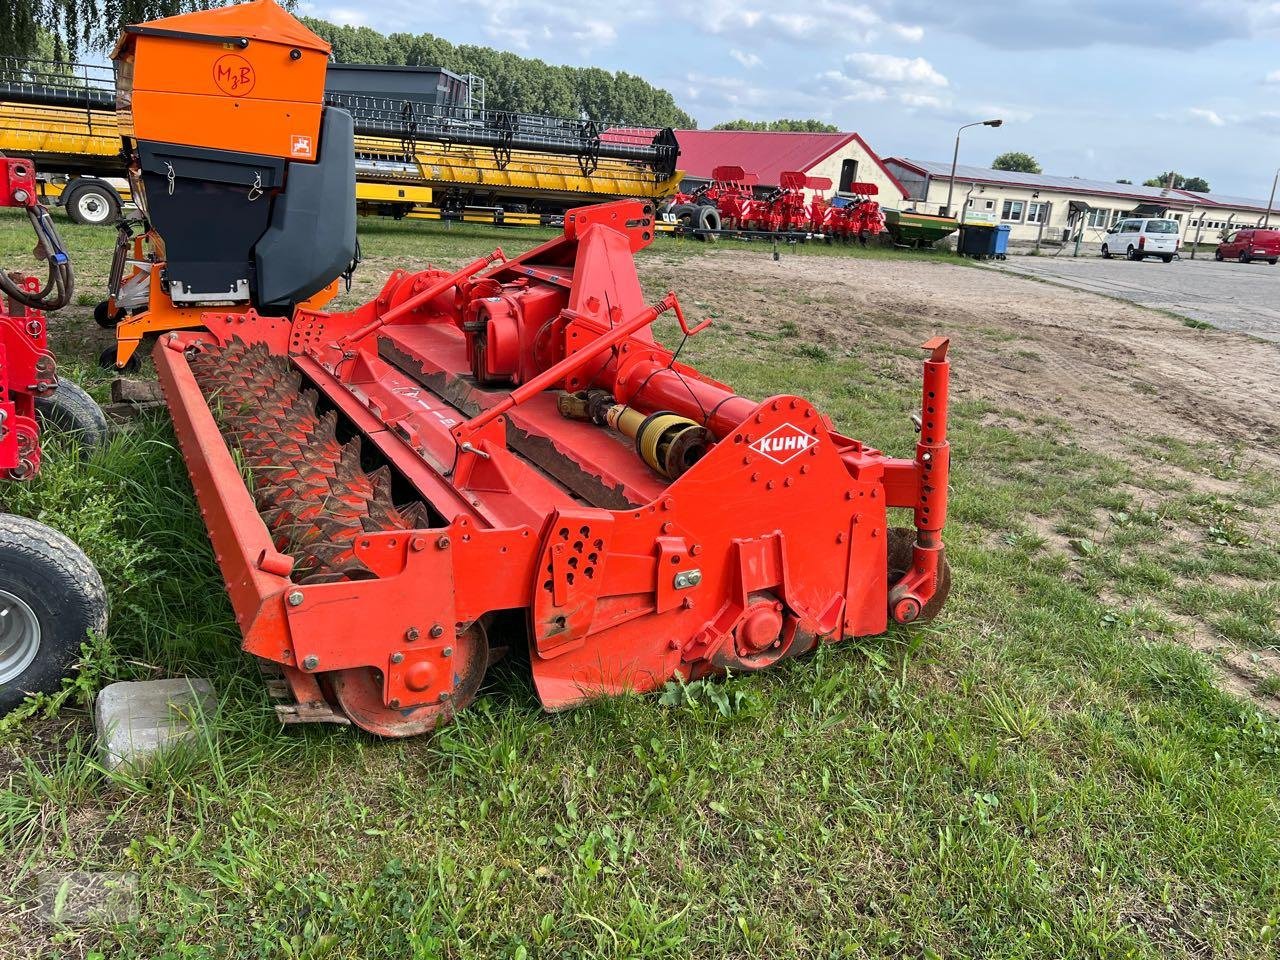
x,y
1092,89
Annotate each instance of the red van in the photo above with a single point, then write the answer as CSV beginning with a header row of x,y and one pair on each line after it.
x,y
1246,245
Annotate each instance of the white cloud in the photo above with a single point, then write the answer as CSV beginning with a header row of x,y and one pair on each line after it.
x,y
723,94
595,33
839,85
886,68
1210,117
1006,113
748,60
1272,77
540,25
927,100
820,21
344,16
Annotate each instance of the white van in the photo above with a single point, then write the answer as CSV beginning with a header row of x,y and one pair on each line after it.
x,y
1138,238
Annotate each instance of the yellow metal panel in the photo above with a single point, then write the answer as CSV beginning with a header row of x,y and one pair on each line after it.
x,y
50,132
525,173
33,130
391,192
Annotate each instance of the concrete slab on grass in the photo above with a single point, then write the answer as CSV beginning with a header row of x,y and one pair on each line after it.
x,y
137,719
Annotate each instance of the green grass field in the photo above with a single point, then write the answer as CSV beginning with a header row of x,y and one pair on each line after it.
x,y
1047,771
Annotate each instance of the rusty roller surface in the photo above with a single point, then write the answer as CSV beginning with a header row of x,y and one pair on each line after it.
x,y
310,489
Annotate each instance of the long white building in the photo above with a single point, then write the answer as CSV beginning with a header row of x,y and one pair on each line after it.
x,y
1053,208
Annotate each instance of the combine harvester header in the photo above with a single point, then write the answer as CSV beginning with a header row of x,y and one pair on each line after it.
x,y
412,146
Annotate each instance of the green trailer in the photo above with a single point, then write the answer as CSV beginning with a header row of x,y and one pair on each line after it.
x,y
918,229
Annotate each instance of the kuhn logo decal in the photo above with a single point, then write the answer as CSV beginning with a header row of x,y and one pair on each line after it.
x,y
785,443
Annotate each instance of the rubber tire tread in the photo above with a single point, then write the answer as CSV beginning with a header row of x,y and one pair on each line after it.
x,y
64,590
70,410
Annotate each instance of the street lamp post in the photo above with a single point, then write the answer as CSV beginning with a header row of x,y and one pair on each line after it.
x,y
1266,220
955,158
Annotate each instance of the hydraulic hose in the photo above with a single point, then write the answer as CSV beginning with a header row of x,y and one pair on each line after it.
x,y
60,285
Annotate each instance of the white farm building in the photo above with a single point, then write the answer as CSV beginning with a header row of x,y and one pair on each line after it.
x,y
1052,208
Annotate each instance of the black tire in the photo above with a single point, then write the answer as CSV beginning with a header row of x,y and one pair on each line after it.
x,y
1132,253
708,220
70,410
92,204
104,319
686,217
1167,258
52,597
107,361
1106,252
1217,255
1272,261
1244,256
900,548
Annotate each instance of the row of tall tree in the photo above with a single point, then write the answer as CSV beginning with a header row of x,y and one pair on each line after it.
x,y
784,125
513,82
67,29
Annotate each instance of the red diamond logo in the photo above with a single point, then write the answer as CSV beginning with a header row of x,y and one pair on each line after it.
x,y
785,443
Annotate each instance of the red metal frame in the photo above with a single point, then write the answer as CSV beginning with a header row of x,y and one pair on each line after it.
x,y
774,541
786,209
27,368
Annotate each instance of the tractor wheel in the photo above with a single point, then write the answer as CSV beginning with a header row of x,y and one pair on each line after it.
x,y
708,220
902,542
92,204
686,218
50,598
70,410
104,318
107,361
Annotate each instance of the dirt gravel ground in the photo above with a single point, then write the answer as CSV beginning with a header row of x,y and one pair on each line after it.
x,y
1230,296
1118,374
1112,370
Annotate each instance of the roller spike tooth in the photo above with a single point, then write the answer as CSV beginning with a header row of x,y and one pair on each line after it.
x,y
380,480
311,491
342,482
376,521
415,515
349,460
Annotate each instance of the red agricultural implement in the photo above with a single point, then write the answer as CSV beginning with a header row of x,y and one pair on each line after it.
x,y
50,594
503,459
728,204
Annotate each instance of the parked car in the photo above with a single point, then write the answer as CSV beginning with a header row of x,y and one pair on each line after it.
x,y
1138,238
1246,245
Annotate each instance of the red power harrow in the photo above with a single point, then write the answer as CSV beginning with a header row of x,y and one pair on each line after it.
x,y
783,212
503,458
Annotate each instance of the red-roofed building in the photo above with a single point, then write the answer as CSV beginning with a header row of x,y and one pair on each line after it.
x,y
844,158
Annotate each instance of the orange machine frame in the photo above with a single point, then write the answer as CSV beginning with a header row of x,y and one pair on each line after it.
x,y
161,314
248,77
